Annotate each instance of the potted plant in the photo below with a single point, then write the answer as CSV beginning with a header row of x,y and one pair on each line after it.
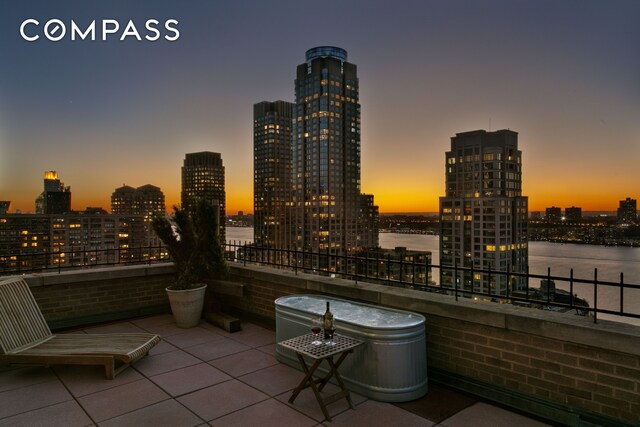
x,y
191,238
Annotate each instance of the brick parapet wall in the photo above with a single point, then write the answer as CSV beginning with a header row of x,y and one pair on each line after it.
x,y
565,360
81,297
568,361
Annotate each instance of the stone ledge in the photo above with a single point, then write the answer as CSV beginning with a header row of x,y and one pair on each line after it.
x,y
93,274
609,335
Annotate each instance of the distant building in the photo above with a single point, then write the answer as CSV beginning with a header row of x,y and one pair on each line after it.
x,y
573,214
368,222
326,153
483,216
35,241
536,216
398,264
553,215
203,178
628,211
147,201
4,206
56,198
272,186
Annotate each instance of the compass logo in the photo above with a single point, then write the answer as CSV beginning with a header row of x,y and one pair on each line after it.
x,y
56,30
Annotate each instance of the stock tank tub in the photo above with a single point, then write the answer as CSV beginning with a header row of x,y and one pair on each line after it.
x,y
392,364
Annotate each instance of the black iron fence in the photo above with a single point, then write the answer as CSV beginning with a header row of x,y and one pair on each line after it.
x,y
583,296
586,296
69,258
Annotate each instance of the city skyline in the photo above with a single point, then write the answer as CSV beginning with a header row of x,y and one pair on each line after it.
x,y
563,75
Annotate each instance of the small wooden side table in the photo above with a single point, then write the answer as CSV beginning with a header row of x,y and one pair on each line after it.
x,y
303,346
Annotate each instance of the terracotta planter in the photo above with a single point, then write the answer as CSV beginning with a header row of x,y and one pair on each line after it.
x,y
186,305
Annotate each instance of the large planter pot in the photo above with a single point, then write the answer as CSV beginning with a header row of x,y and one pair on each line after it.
x,y
186,305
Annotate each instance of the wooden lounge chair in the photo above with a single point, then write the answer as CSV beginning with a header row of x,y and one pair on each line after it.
x,y
25,337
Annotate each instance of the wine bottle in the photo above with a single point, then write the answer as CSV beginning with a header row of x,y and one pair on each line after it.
x,y
327,319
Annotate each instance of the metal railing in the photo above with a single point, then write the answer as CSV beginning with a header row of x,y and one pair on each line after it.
x,y
499,286
70,258
376,267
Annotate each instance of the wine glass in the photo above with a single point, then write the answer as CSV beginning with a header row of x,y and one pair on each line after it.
x,y
316,328
330,332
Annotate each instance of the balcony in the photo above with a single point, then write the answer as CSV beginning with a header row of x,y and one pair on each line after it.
x,y
564,369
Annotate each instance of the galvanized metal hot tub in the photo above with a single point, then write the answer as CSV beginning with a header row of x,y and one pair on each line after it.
x,y
392,364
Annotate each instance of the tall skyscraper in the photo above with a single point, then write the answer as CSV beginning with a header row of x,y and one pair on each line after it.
x,y
4,206
628,211
368,223
272,184
56,198
483,216
326,152
203,178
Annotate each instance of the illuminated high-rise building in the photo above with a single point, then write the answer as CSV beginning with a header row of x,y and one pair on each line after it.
x,y
483,216
203,179
553,215
272,173
573,214
368,223
628,211
326,152
56,198
147,201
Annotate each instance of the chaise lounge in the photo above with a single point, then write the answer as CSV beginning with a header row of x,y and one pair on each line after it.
x,y
25,337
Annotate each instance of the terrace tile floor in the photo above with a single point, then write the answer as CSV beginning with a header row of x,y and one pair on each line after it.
x,y
207,376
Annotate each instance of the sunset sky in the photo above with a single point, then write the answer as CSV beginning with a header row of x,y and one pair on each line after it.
x,y
564,74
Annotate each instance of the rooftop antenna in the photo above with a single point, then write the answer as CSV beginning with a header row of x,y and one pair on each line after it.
x,y
489,124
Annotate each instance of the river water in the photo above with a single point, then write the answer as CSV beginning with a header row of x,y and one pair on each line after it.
x,y
560,258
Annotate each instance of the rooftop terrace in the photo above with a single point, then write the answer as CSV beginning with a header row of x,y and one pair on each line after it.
x,y
206,375
555,367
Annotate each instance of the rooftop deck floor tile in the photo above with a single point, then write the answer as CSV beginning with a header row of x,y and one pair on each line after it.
x,y
245,362
206,375
221,399
268,413
168,413
484,415
189,379
65,414
122,399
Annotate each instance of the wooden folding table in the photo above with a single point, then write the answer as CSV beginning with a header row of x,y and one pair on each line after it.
x,y
303,346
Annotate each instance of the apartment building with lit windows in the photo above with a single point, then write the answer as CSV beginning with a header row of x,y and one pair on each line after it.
x,y
33,241
483,215
326,152
203,178
272,183
147,201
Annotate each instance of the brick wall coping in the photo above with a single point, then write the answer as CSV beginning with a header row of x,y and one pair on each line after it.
x,y
609,335
103,273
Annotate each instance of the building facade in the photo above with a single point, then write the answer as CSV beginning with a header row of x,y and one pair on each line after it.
x,y
272,185
326,153
553,215
203,179
483,216
573,214
40,241
147,201
56,198
628,211
368,223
